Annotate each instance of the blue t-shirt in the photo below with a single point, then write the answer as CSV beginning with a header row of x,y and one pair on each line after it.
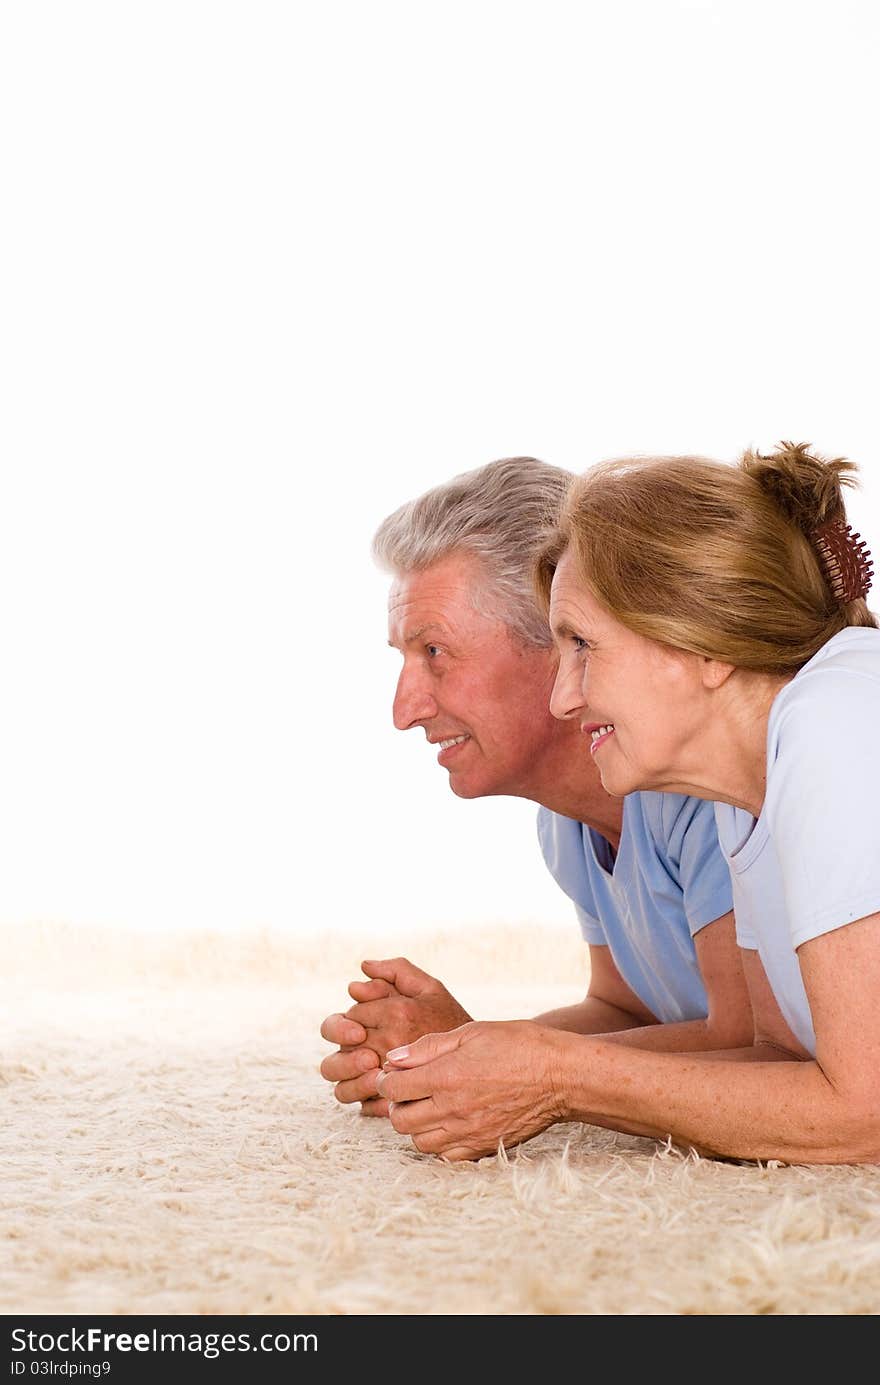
x,y
668,881
811,862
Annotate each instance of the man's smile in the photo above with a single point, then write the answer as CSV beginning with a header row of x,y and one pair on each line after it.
x,y
449,747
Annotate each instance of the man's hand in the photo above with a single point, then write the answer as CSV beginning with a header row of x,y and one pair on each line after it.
x,y
398,1004
460,1094
354,1066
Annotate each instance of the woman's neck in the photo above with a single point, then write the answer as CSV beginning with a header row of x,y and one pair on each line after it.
x,y
727,760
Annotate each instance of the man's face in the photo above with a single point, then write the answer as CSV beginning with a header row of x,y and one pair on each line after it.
x,y
479,694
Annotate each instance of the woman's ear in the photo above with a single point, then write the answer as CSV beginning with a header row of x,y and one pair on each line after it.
x,y
715,673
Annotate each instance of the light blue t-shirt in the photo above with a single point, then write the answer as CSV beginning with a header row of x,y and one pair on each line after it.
x,y
811,862
668,881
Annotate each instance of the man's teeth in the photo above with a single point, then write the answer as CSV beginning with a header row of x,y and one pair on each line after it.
x,y
602,731
456,740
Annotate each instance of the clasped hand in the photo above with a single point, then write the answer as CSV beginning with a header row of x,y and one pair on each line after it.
x,y
398,1004
462,1094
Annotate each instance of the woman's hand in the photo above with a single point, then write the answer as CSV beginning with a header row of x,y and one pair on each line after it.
x,y
462,1094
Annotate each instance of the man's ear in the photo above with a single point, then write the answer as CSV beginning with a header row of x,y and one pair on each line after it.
x,y
715,673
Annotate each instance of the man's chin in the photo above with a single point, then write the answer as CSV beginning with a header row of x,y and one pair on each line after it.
x,y
464,788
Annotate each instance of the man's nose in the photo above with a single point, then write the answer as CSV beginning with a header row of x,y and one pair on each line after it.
x,y
414,702
567,698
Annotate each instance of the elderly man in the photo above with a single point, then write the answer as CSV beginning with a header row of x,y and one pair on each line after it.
x,y
646,875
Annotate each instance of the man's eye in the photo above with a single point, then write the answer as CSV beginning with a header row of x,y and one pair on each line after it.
x,y
432,650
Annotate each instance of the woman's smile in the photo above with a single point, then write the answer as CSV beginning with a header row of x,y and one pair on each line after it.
x,y
599,734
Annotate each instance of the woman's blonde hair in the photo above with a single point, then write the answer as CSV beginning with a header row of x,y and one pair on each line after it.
x,y
709,557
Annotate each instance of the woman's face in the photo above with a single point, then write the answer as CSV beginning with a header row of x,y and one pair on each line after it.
x,y
638,702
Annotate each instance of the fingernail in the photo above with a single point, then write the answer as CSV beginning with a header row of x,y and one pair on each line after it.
x,y
395,1054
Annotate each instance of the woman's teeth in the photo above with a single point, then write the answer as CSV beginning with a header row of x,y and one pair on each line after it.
x,y
602,731
456,740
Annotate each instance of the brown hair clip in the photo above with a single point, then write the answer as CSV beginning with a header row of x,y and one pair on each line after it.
x,y
846,560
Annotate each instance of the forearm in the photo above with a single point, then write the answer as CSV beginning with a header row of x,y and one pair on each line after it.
x,y
592,1016
688,1036
759,1109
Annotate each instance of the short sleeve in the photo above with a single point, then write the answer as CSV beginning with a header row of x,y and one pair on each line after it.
x,y
730,824
746,936
821,800
562,846
592,931
704,875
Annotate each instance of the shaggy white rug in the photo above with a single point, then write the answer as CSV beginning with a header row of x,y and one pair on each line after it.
x,y
169,1147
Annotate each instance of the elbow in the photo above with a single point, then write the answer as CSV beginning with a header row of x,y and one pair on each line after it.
x,y
730,1019
730,1030
857,1133
841,1125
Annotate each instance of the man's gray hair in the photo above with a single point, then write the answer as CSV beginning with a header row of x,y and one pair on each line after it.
x,y
502,513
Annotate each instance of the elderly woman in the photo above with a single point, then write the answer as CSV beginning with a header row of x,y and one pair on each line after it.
x,y
714,640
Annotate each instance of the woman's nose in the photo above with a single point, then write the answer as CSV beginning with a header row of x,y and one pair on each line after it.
x,y
566,699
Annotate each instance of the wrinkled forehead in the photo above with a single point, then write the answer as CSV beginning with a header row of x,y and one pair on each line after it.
x,y
572,601
565,570
455,591
564,582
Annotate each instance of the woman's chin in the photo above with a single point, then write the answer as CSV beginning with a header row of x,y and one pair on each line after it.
x,y
617,781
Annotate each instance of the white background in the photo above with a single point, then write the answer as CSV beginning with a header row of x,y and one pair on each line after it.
x,y
271,269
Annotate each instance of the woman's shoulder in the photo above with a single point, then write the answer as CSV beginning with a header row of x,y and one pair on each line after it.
x,y
852,655
841,681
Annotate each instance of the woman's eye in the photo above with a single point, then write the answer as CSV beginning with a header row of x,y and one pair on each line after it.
x,y
580,645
